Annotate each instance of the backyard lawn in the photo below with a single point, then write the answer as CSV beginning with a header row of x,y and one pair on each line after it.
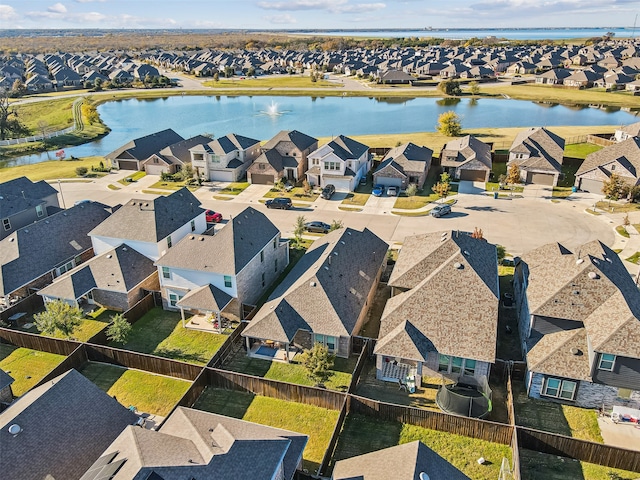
x,y
580,150
149,393
316,422
161,333
92,323
292,372
463,452
26,366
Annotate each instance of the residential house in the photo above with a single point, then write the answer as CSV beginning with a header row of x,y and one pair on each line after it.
x,y
426,328
195,444
325,298
23,202
403,165
283,157
6,394
342,163
582,79
539,154
409,461
151,227
171,159
579,324
393,76
556,76
38,83
116,280
236,265
33,256
467,158
131,155
43,432
627,131
224,159
621,158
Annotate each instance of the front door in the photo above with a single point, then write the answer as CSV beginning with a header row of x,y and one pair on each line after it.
x,y
291,174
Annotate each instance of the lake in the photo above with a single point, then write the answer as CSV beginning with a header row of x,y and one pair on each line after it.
x,y
262,117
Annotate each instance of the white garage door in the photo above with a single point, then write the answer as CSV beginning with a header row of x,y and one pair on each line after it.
x,y
388,181
341,184
155,169
591,186
220,176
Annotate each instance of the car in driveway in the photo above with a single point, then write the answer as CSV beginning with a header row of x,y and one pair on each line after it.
x,y
392,191
378,190
440,210
280,202
212,217
328,191
317,227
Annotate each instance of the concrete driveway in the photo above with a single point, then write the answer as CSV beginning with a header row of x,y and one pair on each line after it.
x,y
471,188
379,205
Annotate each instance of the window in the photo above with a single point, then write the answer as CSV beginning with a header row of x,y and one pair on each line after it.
x,y
66,267
193,225
443,363
155,160
607,361
263,279
449,364
275,243
169,241
227,281
326,340
469,367
331,166
39,210
564,389
261,166
262,256
613,167
174,299
456,365
6,223
276,265
166,273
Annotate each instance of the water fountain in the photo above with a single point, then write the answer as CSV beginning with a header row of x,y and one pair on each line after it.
x,y
272,110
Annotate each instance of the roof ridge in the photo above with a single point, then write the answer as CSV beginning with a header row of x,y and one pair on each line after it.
x,y
576,332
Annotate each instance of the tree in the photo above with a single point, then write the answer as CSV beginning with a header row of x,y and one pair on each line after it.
x,y
58,317
81,171
9,123
449,124
513,175
335,225
97,84
119,329
443,187
474,88
318,362
299,228
450,87
216,77
613,187
306,188
279,185
478,234
411,190
18,89
186,171
502,252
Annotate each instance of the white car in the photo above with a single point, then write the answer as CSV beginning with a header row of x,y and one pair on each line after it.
x,y
392,191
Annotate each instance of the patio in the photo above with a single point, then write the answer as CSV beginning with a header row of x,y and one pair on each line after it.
x,y
273,352
208,323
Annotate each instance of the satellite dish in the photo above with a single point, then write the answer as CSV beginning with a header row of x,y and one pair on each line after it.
x,y
424,476
15,429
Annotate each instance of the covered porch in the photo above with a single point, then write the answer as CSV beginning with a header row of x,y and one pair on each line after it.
x,y
207,305
270,349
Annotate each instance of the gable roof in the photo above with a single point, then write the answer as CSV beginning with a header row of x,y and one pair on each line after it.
x,y
545,149
626,152
346,148
230,143
29,253
407,158
402,462
21,194
465,150
179,152
196,444
5,379
151,220
327,289
208,297
447,266
66,424
143,147
301,140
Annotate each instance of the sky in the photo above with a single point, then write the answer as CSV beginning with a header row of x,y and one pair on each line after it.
x,y
316,14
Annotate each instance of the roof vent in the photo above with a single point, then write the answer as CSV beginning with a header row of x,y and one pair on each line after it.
x,y
575,351
444,234
348,233
458,265
11,239
466,252
192,237
146,204
64,214
124,249
424,476
579,261
201,239
336,253
443,239
326,268
26,231
576,292
342,242
593,275
15,429
109,256
133,203
595,260
46,221
312,284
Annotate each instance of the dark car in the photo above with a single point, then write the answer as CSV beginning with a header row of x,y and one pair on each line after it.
x,y
440,210
280,202
213,217
328,191
317,227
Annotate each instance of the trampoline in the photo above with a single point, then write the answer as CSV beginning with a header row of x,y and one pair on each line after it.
x,y
467,397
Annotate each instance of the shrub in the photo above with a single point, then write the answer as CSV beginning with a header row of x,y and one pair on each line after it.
x,y
81,171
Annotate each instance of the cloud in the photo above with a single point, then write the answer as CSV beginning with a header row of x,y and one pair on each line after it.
x,y
361,8
57,8
285,19
100,19
333,6
7,12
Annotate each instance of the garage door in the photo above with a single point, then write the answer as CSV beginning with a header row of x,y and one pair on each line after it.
x,y
341,184
540,178
127,164
155,169
473,175
388,181
261,179
592,186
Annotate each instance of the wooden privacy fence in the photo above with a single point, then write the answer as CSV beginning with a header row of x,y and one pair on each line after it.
x,y
142,361
29,304
603,139
318,397
357,371
38,342
77,358
227,347
583,450
331,448
136,312
515,456
469,427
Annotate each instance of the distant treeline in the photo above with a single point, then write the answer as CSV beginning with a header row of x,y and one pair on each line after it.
x,y
76,41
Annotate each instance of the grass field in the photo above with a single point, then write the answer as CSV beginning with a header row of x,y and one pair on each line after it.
x,y
56,113
51,170
276,81
580,150
536,465
27,367
134,177
356,199
160,332
149,393
234,188
316,422
87,329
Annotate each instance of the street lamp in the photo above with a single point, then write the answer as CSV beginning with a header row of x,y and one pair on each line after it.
x,y
61,195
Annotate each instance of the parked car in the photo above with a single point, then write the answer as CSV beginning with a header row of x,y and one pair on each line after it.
x,y
363,180
440,210
328,191
212,217
392,191
280,202
317,227
378,190
80,202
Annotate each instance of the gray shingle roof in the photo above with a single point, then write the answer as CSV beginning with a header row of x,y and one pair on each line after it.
x,y
402,462
29,253
151,220
408,158
66,424
301,140
143,147
346,148
5,379
208,297
466,149
326,290
546,149
228,251
21,193
196,444
626,152
230,143
180,150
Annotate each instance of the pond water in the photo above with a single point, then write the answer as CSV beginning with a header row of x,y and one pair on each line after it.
x,y
262,117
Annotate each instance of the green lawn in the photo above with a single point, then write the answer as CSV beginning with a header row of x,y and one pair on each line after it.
x,y
149,393
50,170
160,332
362,434
134,177
26,366
234,188
293,372
580,150
561,192
296,193
359,199
554,417
91,324
424,196
536,465
613,207
635,258
316,422
622,231
57,113
284,81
